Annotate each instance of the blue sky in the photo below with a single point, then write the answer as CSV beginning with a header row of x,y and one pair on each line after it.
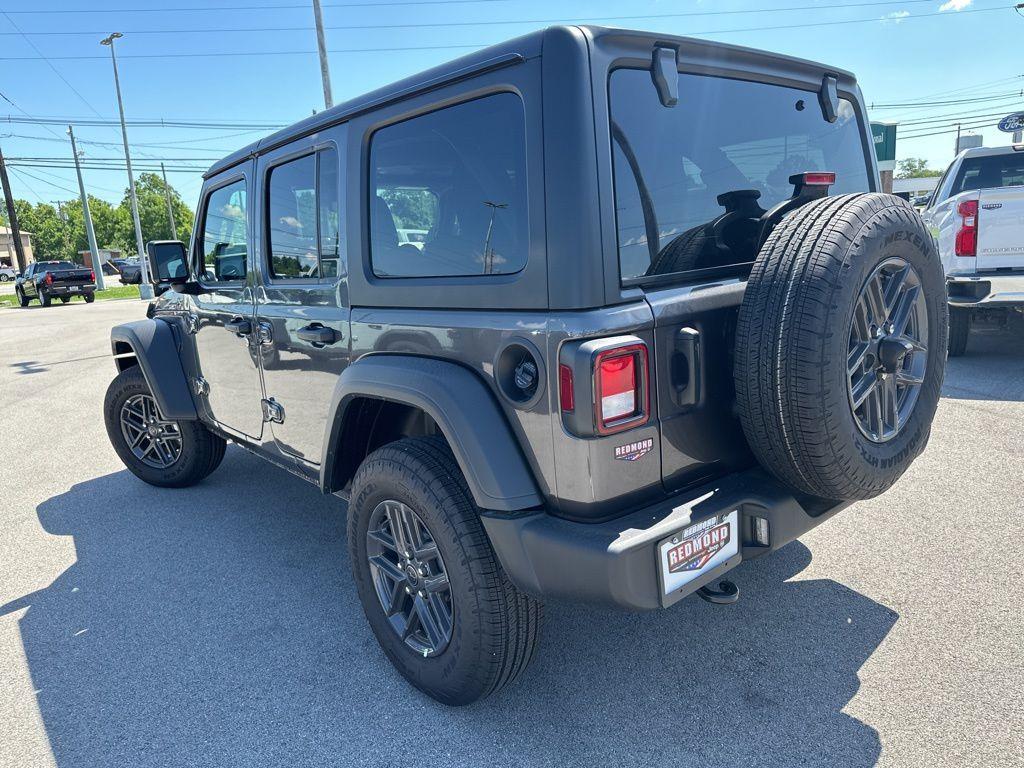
x,y
909,53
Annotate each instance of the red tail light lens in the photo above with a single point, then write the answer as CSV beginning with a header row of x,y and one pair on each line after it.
x,y
566,395
967,236
620,388
92,275
819,179
48,279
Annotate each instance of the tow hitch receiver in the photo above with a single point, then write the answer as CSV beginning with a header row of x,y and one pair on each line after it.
x,y
726,593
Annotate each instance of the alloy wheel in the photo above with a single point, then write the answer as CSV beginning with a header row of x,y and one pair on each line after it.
x,y
410,578
888,353
154,440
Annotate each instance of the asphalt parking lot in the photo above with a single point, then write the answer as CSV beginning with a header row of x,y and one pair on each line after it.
x,y
217,626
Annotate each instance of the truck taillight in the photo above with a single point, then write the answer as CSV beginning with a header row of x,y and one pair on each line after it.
x,y
48,279
620,388
967,235
92,275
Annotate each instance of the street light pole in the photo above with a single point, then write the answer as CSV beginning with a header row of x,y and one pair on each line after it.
x,y
321,45
145,289
170,210
97,267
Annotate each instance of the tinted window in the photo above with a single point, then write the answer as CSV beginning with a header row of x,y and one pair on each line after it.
x,y
675,166
448,192
301,198
225,234
292,219
989,172
62,266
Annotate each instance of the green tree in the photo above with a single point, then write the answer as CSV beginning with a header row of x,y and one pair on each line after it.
x,y
149,188
914,168
51,235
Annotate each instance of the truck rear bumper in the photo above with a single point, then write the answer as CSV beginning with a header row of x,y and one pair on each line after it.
x,y
617,562
985,289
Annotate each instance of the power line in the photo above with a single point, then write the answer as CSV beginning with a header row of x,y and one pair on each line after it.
x,y
146,123
263,54
19,173
493,22
252,7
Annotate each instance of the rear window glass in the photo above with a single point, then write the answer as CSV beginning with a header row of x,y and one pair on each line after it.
x,y
988,173
448,192
674,166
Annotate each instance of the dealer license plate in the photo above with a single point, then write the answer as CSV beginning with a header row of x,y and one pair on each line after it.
x,y
697,549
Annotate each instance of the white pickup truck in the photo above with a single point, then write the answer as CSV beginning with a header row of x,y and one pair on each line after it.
x,y
977,218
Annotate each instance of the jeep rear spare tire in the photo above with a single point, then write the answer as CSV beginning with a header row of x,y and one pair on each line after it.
x,y
841,346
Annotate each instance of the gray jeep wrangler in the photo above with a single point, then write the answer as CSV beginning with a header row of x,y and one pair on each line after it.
x,y
592,314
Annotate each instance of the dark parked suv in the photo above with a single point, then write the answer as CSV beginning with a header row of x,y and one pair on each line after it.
x,y
659,322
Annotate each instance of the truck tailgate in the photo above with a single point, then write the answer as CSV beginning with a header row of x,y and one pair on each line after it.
x,y
1001,228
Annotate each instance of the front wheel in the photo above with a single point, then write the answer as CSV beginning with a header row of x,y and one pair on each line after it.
x,y
157,450
90,298
433,592
65,299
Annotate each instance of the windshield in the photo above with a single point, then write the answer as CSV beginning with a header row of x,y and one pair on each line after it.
x,y
729,146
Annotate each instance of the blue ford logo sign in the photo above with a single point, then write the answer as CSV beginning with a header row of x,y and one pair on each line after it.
x,y
1011,123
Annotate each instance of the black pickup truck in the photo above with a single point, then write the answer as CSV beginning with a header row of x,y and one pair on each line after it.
x,y
47,280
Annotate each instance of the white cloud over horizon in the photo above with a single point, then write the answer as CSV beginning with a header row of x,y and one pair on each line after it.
x,y
954,5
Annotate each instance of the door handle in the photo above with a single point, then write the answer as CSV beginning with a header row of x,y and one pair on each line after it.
x,y
317,334
239,326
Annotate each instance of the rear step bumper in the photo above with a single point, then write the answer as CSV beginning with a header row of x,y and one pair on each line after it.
x,y
616,562
993,288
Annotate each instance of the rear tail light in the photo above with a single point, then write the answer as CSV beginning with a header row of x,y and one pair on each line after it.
x,y
48,279
818,179
92,275
566,396
620,388
967,235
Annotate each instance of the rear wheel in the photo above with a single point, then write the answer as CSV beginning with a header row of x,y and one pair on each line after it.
x,y
840,346
157,450
44,298
23,300
433,592
959,330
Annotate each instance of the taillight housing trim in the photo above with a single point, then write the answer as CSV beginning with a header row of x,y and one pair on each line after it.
x,y
966,243
580,361
641,411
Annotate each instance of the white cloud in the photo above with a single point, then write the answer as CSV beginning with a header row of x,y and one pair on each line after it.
x,y
954,5
896,16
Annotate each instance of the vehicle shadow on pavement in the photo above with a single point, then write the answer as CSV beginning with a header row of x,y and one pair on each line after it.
x,y
218,626
992,369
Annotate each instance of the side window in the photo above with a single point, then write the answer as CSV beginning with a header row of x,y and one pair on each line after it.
x,y
448,192
291,214
225,234
303,217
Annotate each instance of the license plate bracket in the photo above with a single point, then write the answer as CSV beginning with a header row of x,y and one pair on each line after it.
x,y
697,554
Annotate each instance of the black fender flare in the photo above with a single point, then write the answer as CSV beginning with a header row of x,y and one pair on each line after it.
x,y
464,409
156,349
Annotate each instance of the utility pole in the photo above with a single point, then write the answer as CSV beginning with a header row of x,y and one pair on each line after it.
x,y
170,209
956,151
145,289
325,70
12,216
97,266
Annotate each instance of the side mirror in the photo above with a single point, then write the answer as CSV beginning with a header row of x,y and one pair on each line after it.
x,y
168,261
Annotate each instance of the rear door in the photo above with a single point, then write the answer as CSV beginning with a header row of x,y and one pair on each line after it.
x,y
1001,228
225,309
302,303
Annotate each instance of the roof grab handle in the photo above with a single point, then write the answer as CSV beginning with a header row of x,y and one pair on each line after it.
x,y
828,97
665,73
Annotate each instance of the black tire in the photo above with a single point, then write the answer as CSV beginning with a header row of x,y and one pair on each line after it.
x,y
494,626
23,300
683,253
793,342
959,330
44,298
201,450
90,298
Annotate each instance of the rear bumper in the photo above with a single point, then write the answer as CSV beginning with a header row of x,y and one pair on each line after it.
x,y
985,289
616,562
69,290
